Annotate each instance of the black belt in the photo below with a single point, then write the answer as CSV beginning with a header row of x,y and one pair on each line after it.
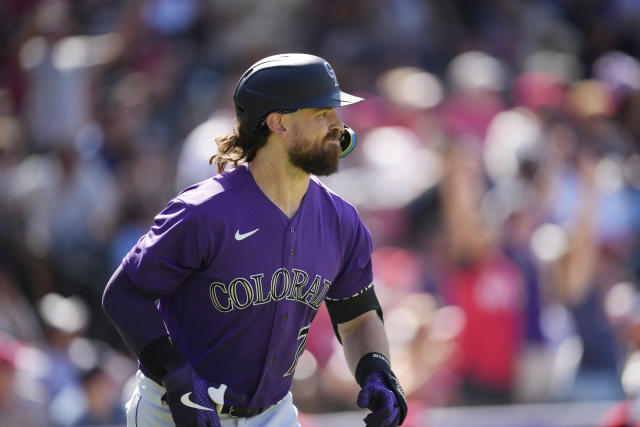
x,y
241,411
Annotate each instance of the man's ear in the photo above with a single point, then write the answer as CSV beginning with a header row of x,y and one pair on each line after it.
x,y
277,124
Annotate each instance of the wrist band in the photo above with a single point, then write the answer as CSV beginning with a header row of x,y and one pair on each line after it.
x,y
160,357
370,363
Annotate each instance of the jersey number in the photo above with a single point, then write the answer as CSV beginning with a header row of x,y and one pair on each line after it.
x,y
304,332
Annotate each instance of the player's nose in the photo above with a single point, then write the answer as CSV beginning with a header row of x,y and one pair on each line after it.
x,y
334,121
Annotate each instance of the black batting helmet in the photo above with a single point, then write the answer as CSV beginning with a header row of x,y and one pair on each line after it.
x,y
287,82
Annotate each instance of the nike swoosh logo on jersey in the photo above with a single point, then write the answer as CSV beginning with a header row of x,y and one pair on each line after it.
x,y
242,236
184,399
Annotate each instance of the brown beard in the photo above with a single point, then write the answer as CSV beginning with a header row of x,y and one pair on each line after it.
x,y
316,158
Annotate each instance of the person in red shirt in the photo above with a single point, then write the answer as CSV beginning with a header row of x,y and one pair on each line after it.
x,y
483,283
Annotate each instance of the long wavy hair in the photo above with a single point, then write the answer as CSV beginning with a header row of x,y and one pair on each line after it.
x,y
239,146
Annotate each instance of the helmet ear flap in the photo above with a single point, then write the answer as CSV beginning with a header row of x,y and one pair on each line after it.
x,y
347,141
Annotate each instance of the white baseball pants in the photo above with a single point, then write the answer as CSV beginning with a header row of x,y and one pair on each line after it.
x,y
146,409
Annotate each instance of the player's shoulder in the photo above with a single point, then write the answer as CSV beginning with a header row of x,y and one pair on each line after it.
x,y
341,205
215,189
350,223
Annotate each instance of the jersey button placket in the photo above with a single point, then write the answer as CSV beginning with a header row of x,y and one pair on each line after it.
x,y
290,245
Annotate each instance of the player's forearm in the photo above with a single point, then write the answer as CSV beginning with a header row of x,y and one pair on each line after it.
x,y
362,335
133,313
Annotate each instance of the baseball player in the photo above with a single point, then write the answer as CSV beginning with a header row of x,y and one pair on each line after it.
x,y
216,300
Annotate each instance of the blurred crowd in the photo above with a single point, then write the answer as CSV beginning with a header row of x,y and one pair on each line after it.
x,y
497,167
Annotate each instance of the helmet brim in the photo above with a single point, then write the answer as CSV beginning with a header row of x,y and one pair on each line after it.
x,y
336,99
348,99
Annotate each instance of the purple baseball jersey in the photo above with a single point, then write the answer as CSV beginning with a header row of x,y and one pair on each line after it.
x,y
241,281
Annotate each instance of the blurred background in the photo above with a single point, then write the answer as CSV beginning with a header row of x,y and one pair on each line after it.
x,y
497,167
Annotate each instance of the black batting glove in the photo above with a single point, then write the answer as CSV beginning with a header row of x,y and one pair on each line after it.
x,y
188,398
381,392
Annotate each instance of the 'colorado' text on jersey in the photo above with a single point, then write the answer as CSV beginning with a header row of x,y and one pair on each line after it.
x,y
241,281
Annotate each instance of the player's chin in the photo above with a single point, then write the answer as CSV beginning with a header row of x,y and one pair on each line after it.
x,y
327,165
332,163
332,148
